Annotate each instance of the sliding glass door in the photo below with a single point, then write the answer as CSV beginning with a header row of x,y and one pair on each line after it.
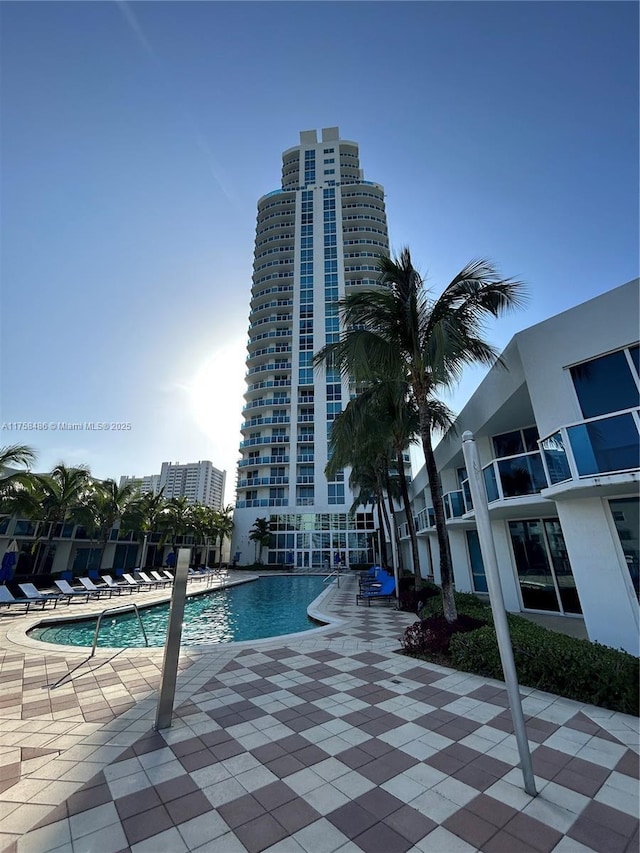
x,y
543,567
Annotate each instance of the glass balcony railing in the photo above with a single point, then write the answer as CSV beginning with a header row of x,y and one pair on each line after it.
x,y
262,481
268,439
425,519
608,444
263,460
453,505
514,476
262,502
256,422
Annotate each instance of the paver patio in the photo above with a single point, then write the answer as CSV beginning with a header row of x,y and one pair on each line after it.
x,y
328,741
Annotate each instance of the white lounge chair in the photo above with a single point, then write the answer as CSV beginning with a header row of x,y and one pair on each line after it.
x,y
36,596
7,599
99,591
156,582
66,589
166,581
118,587
129,578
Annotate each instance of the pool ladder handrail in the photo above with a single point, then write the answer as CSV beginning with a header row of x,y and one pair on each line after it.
x,y
334,574
112,610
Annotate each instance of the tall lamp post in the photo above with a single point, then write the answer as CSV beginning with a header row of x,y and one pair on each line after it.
x,y
487,547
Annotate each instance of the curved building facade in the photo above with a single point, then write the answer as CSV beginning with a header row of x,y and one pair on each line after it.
x,y
317,238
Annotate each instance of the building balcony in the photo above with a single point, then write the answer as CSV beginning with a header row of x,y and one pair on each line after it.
x,y
607,447
453,505
262,481
269,368
270,383
255,422
306,439
274,318
305,480
273,439
271,401
263,354
257,307
262,502
263,460
514,477
271,333
306,457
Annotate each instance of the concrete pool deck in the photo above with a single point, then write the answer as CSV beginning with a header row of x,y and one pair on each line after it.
x,y
327,741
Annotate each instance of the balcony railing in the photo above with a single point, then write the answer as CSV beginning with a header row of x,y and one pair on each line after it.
x,y
609,444
425,519
263,460
514,476
453,505
272,401
268,439
262,502
275,383
263,481
254,422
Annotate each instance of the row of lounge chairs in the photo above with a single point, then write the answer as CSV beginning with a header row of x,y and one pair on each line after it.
x,y
376,585
66,593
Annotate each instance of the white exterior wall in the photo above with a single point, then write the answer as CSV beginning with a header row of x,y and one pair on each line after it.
x,y
537,390
608,601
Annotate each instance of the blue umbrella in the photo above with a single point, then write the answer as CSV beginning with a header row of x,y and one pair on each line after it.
x,y
8,562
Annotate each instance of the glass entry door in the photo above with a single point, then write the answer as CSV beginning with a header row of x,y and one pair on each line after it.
x,y
544,572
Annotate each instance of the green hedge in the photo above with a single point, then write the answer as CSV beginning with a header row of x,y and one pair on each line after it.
x,y
546,660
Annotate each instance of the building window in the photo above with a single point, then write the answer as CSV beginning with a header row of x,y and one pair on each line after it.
x,y
336,493
605,384
517,441
542,563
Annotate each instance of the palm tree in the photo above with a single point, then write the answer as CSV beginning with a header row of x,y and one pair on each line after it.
x,y
106,504
145,515
385,412
204,524
53,499
225,527
357,442
14,454
260,533
177,519
401,329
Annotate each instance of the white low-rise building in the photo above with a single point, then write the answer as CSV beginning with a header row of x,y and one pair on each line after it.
x,y
557,426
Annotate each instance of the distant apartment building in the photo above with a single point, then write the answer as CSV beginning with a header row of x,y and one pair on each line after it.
x,y
143,485
198,482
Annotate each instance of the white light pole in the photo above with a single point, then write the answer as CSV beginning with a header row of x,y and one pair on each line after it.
x,y
487,547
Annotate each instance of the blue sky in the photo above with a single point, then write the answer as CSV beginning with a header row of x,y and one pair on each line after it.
x,y
137,138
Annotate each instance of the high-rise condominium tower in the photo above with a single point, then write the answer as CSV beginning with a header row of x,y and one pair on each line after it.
x,y
317,239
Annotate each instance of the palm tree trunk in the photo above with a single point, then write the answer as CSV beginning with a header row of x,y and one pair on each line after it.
x,y
397,554
410,521
386,527
435,487
382,545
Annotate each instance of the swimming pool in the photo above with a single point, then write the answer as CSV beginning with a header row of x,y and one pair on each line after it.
x,y
267,607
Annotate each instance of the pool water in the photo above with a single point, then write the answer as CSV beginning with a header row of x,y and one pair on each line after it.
x,y
267,607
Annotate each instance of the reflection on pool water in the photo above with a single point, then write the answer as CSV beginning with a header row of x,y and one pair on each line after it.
x,y
267,607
